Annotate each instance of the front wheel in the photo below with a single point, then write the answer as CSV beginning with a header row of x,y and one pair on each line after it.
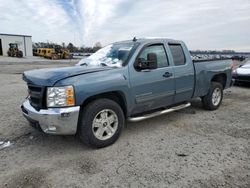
x,y
101,123
213,99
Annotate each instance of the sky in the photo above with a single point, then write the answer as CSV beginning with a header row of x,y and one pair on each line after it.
x,y
205,25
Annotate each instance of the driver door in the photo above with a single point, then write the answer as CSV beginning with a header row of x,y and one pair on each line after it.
x,y
152,88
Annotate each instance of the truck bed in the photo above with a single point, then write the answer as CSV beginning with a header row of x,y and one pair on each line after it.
x,y
206,70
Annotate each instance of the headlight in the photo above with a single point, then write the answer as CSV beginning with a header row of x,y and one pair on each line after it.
x,y
60,96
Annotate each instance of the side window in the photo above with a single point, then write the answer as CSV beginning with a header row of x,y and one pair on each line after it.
x,y
178,54
162,60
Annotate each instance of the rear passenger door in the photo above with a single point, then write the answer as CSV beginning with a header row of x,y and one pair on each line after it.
x,y
155,88
184,72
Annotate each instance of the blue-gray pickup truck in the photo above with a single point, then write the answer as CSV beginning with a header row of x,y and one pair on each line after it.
x,y
129,80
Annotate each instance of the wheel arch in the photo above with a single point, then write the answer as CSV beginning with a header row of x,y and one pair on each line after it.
x,y
220,78
116,96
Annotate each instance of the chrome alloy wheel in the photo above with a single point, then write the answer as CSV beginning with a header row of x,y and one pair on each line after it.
x,y
105,124
216,96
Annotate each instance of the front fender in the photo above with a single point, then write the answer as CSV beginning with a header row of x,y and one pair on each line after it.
x,y
92,84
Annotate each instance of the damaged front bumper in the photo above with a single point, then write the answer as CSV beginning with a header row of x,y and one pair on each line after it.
x,y
60,121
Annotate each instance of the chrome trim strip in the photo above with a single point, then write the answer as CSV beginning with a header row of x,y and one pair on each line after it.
x,y
183,90
145,98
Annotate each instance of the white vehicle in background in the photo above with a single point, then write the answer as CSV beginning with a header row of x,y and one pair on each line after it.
x,y
242,73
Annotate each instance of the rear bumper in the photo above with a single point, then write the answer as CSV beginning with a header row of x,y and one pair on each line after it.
x,y
60,121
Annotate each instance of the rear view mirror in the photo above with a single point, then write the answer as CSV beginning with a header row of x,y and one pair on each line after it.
x,y
150,63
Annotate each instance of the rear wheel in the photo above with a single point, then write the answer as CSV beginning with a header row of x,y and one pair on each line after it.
x,y
213,99
101,123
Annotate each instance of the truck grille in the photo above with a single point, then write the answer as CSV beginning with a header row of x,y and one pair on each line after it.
x,y
36,96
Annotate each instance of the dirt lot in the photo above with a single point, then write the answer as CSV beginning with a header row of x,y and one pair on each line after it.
x,y
188,148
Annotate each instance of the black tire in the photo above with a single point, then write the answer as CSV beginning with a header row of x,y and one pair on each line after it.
x,y
207,99
20,54
88,114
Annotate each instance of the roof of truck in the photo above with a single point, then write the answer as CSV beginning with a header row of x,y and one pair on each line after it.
x,y
151,39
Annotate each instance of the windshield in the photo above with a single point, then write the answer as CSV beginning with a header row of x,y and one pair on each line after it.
x,y
113,55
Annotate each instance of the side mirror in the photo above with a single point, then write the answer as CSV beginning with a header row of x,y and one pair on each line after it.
x,y
150,63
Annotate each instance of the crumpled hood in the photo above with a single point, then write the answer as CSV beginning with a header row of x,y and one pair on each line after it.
x,y
49,76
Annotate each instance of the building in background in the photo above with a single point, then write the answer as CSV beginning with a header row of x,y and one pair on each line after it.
x,y
24,43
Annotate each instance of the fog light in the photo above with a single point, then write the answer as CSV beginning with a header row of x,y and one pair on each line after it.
x,y
51,128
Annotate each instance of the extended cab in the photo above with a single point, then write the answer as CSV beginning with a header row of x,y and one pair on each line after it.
x,y
129,80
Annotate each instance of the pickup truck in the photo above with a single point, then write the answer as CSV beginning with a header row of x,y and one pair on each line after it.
x,y
130,80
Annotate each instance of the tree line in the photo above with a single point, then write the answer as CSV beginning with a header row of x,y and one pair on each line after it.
x,y
70,46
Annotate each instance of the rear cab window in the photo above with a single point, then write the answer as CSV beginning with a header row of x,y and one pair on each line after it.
x,y
177,54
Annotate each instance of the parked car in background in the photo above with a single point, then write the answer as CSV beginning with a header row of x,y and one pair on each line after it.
x,y
242,73
238,58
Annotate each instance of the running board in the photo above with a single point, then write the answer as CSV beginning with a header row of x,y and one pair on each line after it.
x,y
158,113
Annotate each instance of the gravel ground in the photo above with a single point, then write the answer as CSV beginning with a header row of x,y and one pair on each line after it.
x,y
188,148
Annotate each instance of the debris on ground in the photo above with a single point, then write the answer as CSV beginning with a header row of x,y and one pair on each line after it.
x,y
5,144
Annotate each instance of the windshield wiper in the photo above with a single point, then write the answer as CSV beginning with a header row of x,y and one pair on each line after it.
x,y
104,64
84,64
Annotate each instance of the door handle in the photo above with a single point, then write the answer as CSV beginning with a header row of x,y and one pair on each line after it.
x,y
167,74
